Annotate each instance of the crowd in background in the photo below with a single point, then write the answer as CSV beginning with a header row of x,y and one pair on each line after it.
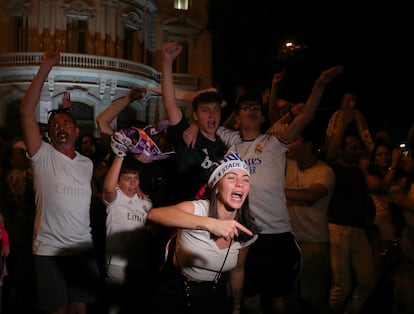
x,y
332,207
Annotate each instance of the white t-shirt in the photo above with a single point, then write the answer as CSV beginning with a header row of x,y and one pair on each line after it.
x,y
63,196
125,229
310,222
198,256
266,158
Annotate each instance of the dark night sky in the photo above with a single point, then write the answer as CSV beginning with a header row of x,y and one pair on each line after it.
x,y
371,42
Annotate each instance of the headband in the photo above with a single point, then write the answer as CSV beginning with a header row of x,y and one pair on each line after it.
x,y
226,164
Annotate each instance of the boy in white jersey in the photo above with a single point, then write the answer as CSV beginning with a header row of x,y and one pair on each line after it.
x,y
127,237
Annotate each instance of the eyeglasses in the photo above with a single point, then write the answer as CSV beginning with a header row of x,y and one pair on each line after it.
x,y
254,106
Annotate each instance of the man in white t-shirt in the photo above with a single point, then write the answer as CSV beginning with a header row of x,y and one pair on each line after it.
x,y
65,266
309,184
270,278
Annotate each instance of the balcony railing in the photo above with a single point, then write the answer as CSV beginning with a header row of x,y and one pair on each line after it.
x,y
71,60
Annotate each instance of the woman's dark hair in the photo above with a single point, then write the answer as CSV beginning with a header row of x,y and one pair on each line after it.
x,y
6,155
373,168
243,215
80,139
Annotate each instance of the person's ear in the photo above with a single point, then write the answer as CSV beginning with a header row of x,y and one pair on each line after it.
x,y
195,118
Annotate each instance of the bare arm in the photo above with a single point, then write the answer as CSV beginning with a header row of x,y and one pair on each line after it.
x,y
182,216
311,105
170,51
334,144
30,127
105,118
309,195
183,95
190,134
66,102
378,185
279,127
274,112
237,280
111,180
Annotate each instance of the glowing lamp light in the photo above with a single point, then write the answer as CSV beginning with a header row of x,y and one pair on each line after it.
x,y
181,4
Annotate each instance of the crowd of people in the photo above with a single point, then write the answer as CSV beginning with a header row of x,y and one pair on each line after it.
x,y
259,214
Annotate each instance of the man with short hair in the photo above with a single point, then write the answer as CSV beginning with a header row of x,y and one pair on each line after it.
x,y
193,165
309,183
271,277
65,267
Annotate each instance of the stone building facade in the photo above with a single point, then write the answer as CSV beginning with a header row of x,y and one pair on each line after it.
x,y
106,46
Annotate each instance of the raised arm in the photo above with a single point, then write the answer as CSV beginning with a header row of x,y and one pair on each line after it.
x,y
307,114
184,95
333,146
105,118
274,111
29,124
111,179
170,51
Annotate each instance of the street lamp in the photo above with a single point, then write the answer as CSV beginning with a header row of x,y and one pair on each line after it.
x,y
289,48
181,4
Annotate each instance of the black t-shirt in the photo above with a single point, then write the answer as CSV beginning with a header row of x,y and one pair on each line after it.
x,y
153,178
192,166
350,204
